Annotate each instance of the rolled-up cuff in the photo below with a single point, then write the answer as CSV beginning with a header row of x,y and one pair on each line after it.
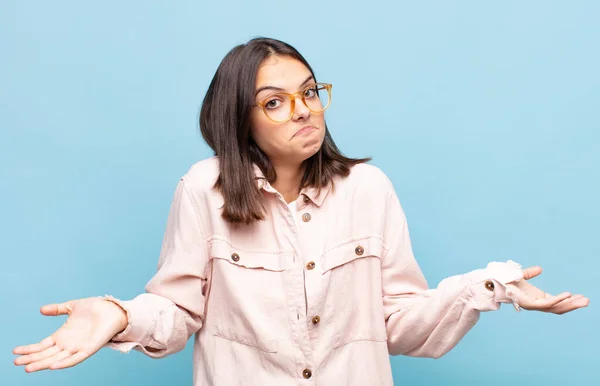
x,y
137,321
489,285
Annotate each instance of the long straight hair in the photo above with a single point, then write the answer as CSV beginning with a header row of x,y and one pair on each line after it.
x,y
225,126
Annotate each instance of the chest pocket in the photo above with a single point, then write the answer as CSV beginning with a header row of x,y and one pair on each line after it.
x,y
247,298
350,251
355,292
270,261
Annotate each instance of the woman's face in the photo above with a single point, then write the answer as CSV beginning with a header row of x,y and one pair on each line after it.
x,y
300,137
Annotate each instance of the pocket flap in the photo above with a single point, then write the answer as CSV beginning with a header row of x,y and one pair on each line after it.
x,y
352,250
272,261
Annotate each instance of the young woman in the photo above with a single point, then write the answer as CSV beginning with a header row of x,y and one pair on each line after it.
x,y
289,262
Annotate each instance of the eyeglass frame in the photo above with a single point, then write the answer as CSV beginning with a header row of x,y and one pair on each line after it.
x,y
292,98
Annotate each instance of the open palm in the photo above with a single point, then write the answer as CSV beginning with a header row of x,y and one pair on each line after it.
x,y
92,322
532,298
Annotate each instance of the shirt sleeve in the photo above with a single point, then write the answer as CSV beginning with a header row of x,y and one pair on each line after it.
x,y
425,322
161,320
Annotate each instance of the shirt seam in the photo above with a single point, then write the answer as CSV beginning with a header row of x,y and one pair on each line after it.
x,y
196,209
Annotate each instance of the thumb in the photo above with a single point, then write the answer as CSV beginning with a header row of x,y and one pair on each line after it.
x,y
531,272
57,309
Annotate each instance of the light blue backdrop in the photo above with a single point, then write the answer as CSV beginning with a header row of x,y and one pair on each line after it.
x,y
484,114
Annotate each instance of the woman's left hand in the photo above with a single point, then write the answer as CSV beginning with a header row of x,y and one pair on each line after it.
x,y
530,297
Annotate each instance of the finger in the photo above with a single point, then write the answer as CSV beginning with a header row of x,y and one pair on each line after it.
x,y
544,304
575,302
27,359
531,272
70,361
36,347
56,309
45,363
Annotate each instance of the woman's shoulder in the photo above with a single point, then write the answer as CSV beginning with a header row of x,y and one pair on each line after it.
x,y
202,175
369,176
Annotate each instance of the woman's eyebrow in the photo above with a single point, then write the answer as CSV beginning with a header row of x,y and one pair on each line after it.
x,y
310,77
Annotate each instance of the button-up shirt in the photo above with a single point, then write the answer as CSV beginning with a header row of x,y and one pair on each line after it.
x,y
319,293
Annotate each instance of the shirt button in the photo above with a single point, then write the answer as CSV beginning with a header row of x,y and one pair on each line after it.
x,y
306,373
489,285
316,319
310,265
306,217
306,199
235,257
359,250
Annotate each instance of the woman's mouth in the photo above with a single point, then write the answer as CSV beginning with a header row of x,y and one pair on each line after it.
x,y
304,130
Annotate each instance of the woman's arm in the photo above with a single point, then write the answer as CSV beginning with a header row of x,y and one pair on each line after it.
x,y
430,322
161,321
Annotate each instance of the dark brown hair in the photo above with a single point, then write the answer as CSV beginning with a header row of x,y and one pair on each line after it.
x,y
225,126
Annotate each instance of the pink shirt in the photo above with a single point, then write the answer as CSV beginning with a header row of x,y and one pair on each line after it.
x,y
317,296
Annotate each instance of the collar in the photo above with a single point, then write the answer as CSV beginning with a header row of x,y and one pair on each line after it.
x,y
311,192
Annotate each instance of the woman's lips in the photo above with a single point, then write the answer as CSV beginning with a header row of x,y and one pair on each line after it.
x,y
304,130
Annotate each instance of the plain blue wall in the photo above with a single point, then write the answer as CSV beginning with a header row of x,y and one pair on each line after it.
x,y
484,114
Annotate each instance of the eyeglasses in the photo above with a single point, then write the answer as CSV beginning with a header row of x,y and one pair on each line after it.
x,y
280,107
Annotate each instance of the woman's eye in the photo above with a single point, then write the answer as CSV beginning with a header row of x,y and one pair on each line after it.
x,y
273,103
310,92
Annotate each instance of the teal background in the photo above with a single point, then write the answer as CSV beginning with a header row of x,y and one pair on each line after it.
x,y
484,114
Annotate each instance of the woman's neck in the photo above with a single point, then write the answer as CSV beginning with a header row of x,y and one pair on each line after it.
x,y
288,181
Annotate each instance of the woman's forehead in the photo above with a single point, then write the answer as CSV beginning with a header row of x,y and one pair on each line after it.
x,y
283,72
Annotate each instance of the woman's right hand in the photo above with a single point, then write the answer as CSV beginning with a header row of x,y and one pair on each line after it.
x,y
92,323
